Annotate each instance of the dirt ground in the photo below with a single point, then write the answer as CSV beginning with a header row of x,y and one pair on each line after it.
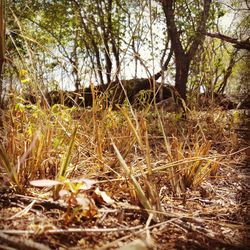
x,y
216,216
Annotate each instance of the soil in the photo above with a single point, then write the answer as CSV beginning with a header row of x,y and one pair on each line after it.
x,y
215,216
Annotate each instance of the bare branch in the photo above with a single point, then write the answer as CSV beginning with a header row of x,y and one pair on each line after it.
x,y
237,43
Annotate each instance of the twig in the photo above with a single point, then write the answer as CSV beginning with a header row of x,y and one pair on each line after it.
x,y
73,230
115,242
148,236
24,211
26,244
38,202
204,232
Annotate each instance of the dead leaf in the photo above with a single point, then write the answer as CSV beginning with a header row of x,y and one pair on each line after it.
x,y
102,197
44,183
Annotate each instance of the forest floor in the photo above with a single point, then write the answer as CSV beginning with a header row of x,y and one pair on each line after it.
x,y
215,215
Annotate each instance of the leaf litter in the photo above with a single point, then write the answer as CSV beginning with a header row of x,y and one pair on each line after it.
x,y
188,207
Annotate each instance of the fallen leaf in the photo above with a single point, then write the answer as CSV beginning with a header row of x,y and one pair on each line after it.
x,y
44,183
102,197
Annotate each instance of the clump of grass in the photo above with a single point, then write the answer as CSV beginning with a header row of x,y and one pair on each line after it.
x,y
31,148
146,196
192,164
9,168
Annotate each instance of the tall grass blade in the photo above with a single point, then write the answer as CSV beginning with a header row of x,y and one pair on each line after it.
x,y
62,174
140,194
8,166
67,157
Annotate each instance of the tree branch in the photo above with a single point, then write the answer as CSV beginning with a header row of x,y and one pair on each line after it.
x,y
174,35
165,65
236,43
198,39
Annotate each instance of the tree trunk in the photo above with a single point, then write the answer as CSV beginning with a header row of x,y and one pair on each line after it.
x,y
92,41
184,57
181,76
228,72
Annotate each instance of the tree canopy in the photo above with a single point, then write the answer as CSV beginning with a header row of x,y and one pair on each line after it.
x,y
71,44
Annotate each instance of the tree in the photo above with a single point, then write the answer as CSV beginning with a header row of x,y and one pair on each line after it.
x,y
185,55
239,34
78,42
101,27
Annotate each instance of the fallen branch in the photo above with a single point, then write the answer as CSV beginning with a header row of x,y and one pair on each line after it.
x,y
16,243
73,230
17,198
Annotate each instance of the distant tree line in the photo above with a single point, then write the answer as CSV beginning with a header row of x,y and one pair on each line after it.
x,y
94,41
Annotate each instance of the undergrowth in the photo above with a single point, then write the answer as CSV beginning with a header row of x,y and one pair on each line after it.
x,y
123,146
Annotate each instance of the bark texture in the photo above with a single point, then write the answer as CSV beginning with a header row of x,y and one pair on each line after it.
x,y
183,57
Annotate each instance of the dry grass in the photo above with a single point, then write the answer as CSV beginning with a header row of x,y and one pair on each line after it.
x,y
151,173
43,143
